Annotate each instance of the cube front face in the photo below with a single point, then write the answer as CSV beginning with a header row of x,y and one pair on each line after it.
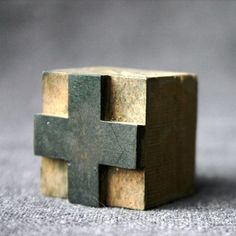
x,y
119,104
166,105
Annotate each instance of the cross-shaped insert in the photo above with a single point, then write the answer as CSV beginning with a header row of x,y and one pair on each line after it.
x,y
85,141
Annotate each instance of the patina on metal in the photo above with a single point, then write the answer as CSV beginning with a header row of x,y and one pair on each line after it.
x,y
85,141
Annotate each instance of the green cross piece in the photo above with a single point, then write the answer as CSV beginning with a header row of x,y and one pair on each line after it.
x,y
85,141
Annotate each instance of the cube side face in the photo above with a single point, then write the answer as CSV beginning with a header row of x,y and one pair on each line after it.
x,y
170,139
122,97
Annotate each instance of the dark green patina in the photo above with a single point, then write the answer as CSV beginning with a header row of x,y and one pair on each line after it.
x,y
85,141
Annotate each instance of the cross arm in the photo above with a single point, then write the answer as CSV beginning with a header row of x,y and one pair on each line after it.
x,y
123,148
49,136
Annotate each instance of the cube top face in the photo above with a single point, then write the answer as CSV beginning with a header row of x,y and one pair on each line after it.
x,y
121,72
125,93
160,101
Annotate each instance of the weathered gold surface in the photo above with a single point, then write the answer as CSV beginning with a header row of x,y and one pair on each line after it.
x,y
54,178
125,100
55,102
55,94
123,188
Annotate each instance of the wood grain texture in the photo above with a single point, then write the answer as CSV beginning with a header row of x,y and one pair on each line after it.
x,y
170,139
122,188
55,94
54,176
163,101
125,100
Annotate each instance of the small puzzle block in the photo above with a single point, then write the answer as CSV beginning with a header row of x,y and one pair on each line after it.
x,y
117,137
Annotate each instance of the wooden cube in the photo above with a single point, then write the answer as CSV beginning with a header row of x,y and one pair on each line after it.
x,y
165,103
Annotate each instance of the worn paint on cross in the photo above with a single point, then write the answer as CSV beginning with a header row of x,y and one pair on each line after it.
x,y
85,141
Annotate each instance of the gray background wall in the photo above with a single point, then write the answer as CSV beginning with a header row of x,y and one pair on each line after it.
x,y
194,36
